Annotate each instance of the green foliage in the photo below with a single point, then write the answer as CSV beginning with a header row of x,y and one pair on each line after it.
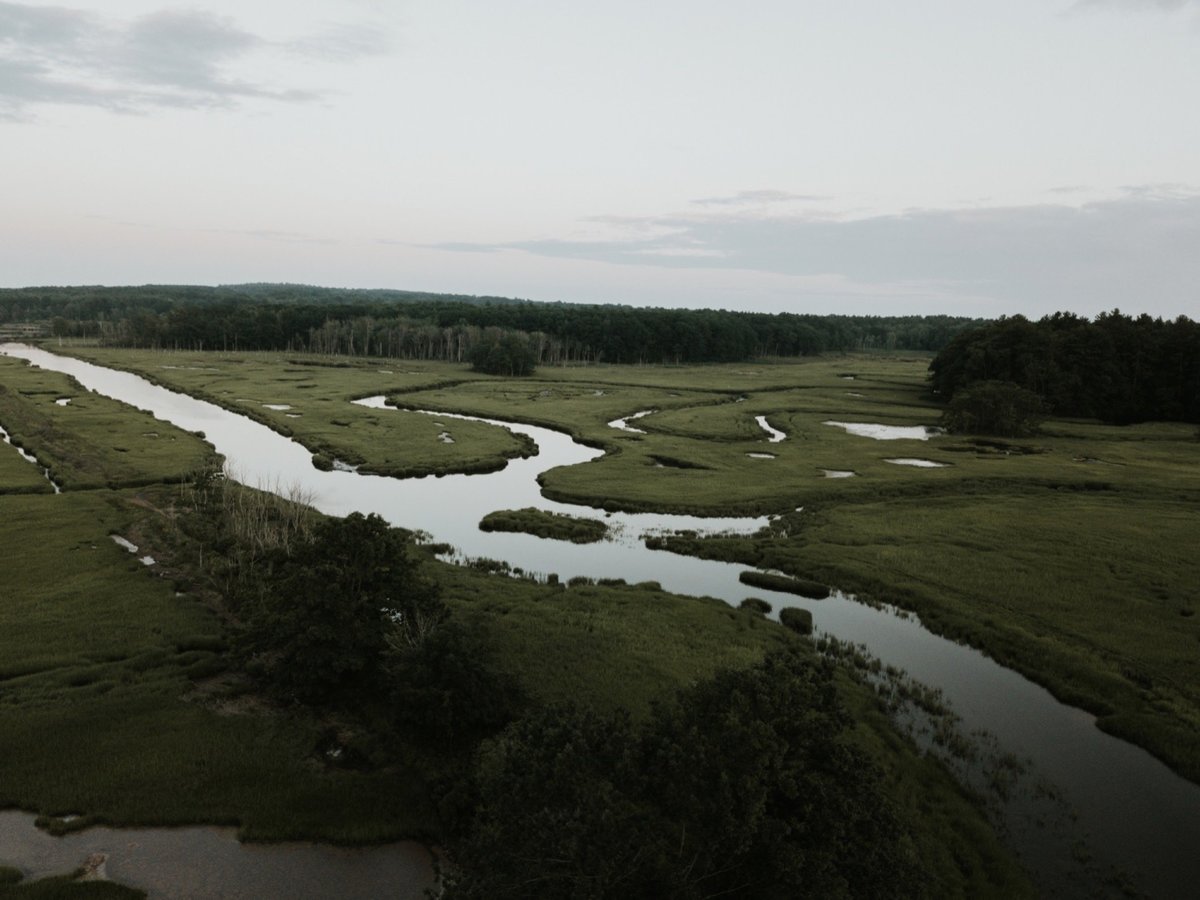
x,y
998,408
444,691
331,604
797,619
95,722
425,326
1114,368
756,604
744,786
504,354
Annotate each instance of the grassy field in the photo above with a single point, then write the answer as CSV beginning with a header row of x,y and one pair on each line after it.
x,y
18,475
89,442
100,711
306,397
1069,555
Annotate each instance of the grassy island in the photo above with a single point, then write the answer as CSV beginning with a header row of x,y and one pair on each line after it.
x,y
544,524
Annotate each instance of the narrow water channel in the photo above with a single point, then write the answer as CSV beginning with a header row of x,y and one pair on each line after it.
x,y
29,458
1127,812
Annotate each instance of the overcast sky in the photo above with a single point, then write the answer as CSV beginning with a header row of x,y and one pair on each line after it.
x,y
932,156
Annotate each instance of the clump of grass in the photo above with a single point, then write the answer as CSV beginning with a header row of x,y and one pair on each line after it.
x,y
757,604
546,525
797,619
813,590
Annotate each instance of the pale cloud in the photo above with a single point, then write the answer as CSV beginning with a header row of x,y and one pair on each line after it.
x,y
758,198
166,59
342,43
1134,251
1138,5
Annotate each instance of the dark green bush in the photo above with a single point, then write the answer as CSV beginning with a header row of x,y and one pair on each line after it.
x,y
757,604
998,408
798,620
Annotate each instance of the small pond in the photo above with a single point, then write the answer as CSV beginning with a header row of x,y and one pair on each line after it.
x,y
623,424
888,432
916,463
774,435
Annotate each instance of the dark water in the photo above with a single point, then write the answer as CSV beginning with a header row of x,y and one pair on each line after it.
x,y
1121,813
210,863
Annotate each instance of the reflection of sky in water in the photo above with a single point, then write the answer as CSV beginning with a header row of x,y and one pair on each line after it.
x,y
623,424
1142,817
774,435
888,432
916,463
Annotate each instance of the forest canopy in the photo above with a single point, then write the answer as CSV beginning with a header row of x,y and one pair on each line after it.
x,y
1115,368
448,326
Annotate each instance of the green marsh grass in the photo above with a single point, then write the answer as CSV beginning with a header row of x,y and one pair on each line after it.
x,y
18,475
577,529
91,441
319,414
1068,555
104,719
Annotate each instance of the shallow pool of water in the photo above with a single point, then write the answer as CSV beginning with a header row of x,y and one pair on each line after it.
x,y
623,424
888,432
774,435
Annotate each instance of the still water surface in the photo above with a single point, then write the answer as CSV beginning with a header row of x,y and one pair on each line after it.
x,y
1125,810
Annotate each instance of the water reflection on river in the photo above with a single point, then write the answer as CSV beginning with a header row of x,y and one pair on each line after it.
x,y
1131,812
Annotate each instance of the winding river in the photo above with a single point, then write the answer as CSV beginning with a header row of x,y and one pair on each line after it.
x,y
1125,812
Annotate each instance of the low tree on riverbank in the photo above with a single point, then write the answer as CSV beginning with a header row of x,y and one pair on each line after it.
x,y
745,786
332,602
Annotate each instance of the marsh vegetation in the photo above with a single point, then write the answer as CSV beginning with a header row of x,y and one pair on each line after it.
x,y
538,522
1029,550
989,549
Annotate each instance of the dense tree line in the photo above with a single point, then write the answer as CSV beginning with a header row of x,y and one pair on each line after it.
x,y
1115,367
450,327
